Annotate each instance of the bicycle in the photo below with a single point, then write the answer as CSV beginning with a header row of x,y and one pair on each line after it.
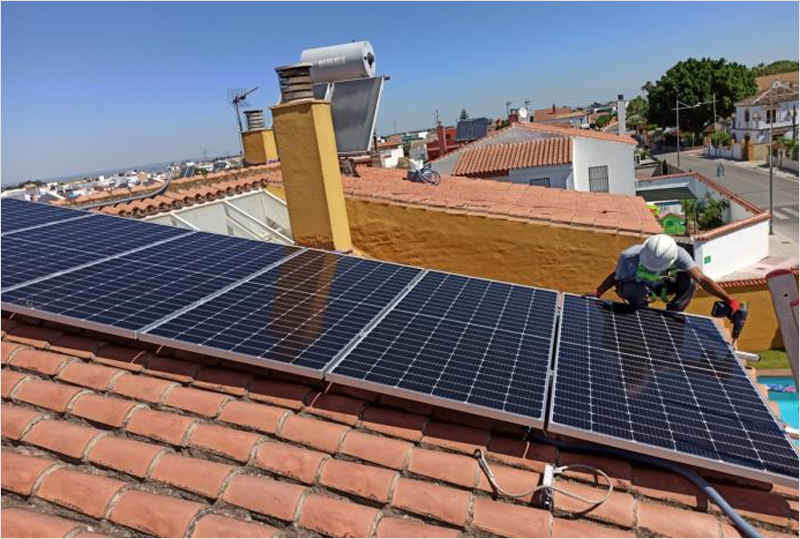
x,y
424,175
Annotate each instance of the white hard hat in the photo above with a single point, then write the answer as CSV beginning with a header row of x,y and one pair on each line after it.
x,y
658,252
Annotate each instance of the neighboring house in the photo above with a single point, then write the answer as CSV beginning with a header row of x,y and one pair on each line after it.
x,y
562,116
791,77
434,149
548,155
390,153
777,105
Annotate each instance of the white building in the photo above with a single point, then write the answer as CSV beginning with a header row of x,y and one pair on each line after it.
x,y
549,156
390,153
776,105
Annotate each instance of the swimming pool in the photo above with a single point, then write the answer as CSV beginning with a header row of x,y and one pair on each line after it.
x,y
787,402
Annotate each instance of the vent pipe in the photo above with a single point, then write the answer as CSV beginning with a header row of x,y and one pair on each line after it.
x,y
295,82
255,119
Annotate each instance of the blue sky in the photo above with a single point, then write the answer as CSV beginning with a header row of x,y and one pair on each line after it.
x,y
93,86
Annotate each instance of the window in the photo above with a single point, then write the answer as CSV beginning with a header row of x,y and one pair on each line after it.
x,y
540,182
746,115
598,179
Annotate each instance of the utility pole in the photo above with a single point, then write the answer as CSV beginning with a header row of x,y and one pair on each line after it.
x,y
714,102
678,130
770,117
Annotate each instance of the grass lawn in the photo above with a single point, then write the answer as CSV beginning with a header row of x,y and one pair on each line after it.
x,y
772,359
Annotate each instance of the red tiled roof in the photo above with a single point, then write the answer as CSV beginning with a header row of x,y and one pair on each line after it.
x,y
549,113
503,157
578,132
561,207
100,437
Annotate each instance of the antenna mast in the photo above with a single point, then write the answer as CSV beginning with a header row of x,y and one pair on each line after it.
x,y
238,97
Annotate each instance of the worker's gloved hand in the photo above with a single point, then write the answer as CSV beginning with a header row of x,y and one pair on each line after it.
x,y
734,305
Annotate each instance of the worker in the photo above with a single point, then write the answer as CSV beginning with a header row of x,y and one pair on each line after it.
x,y
660,269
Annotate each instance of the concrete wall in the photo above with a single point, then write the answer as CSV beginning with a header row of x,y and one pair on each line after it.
x,y
732,152
618,156
728,253
560,175
390,156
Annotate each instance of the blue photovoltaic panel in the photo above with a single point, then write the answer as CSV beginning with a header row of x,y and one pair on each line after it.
x,y
297,316
121,294
665,384
213,254
476,345
130,292
24,260
102,235
21,214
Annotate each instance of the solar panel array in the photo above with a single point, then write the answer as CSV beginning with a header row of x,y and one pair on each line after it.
x,y
299,315
481,345
20,214
653,382
665,384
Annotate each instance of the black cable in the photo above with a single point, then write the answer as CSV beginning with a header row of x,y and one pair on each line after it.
x,y
744,527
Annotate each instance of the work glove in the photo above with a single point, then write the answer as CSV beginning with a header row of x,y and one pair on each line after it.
x,y
734,305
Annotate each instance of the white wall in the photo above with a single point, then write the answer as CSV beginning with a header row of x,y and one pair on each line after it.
x,y
390,156
731,252
618,156
560,175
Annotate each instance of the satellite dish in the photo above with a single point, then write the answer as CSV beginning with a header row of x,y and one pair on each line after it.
x,y
522,113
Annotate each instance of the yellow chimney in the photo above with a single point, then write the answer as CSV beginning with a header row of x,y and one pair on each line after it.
x,y
258,143
310,164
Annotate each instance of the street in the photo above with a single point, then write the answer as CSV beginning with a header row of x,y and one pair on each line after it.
x,y
752,184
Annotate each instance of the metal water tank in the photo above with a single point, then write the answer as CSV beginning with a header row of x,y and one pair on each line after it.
x,y
340,62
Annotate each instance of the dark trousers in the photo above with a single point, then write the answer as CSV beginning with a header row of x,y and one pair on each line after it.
x,y
681,290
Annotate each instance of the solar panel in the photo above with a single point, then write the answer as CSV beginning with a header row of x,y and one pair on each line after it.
x,y
130,292
479,346
664,384
295,317
23,260
21,214
100,234
354,109
472,129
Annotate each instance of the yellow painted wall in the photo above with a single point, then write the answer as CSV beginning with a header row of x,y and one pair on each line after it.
x,y
254,148
310,168
564,259
270,147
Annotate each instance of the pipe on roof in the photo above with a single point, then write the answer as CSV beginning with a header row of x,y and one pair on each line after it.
x,y
744,527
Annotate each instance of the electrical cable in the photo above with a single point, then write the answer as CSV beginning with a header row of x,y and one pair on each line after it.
x,y
479,454
744,527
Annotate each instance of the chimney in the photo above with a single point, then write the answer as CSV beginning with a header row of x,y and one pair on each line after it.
x,y
621,106
309,163
258,142
554,108
441,133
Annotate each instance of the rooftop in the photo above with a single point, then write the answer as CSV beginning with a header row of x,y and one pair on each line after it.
x,y
104,437
503,157
774,94
613,213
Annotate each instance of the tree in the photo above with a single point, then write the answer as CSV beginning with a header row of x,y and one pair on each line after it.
x,y
603,120
779,66
637,111
720,139
706,213
694,81
464,115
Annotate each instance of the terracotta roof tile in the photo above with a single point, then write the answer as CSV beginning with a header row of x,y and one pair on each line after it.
x,y
372,465
504,157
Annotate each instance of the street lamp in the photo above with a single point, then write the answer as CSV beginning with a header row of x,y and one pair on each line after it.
x,y
679,106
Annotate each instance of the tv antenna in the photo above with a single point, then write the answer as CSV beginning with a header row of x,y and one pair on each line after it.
x,y
238,98
508,107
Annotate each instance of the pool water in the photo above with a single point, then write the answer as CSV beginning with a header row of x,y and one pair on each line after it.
x,y
787,402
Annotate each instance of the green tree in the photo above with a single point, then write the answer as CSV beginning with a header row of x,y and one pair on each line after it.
x,y
694,81
637,111
779,66
706,213
720,139
603,120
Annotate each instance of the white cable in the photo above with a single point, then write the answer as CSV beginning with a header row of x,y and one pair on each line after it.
x,y
558,471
